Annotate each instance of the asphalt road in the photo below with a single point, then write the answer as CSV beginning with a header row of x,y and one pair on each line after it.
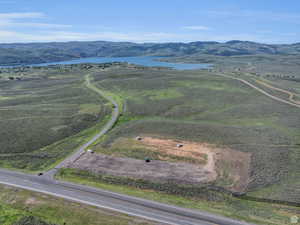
x,y
163,213
150,210
114,117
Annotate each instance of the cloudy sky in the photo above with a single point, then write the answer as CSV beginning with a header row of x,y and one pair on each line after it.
x,y
268,21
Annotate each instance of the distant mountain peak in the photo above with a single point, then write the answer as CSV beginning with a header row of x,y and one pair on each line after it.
x,y
203,42
30,53
239,42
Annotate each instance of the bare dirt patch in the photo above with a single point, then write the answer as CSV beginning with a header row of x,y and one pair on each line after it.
x,y
32,201
224,166
176,148
233,168
156,170
228,166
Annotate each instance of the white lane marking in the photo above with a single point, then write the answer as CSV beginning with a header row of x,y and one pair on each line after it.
x,y
92,204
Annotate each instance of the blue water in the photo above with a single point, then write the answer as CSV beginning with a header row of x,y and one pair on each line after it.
x,y
140,60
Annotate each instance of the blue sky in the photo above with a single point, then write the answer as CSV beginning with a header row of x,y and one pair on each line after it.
x,y
268,21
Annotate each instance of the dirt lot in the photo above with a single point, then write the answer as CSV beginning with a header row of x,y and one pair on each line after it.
x,y
186,149
156,170
230,167
227,167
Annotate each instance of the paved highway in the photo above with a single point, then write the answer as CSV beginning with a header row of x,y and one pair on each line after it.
x,y
154,211
151,210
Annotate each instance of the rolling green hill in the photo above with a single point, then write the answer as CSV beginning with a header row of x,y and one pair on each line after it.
x,y
12,54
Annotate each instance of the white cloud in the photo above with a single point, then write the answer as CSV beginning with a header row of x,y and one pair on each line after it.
x,y
196,28
33,25
12,20
48,32
6,34
11,36
61,36
7,16
80,36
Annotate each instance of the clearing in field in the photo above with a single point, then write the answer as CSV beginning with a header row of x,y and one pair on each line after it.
x,y
221,163
211,164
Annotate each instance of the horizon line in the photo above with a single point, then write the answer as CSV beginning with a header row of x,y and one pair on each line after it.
x,y
163,42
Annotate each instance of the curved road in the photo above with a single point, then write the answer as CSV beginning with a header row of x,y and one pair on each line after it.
x,y
260,90
291,94
115,115
163,213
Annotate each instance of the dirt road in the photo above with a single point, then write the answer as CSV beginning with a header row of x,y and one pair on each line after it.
x,y
291,94
261,90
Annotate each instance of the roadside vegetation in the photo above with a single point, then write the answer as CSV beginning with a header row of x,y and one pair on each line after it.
x,y
46,115
21,207
199,106
195,106
201,199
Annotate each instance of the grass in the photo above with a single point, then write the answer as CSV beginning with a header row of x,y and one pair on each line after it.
x,y
170,93
89,109
199,106
128,147
16,204
117,98
70,144
184,105
285,190
210,84
46,116
260,213
9,215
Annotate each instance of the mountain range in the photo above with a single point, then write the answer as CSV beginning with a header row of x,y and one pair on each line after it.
x,y
30,53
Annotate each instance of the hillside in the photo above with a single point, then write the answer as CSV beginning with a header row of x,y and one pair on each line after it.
x,y
12,54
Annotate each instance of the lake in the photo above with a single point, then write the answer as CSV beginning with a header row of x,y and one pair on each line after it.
x,y
140,60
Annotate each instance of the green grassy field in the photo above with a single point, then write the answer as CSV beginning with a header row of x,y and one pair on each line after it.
x,y
264,64
199,106
255,212
183,105
45,116
20,207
